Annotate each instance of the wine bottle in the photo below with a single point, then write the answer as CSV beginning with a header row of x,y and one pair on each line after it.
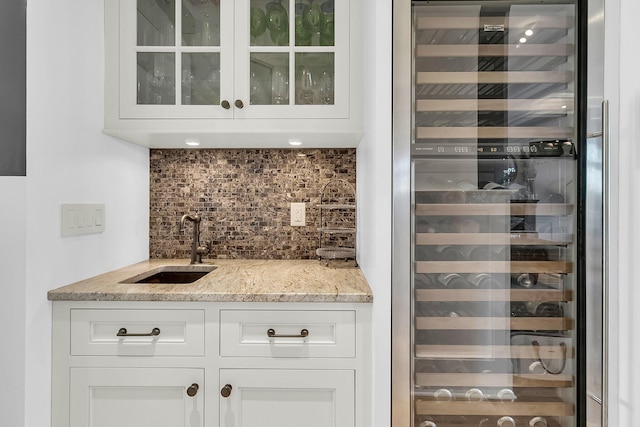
x,y
545,309
427,423
506,395
525,280
474,395
453,281
483,280
506,422
449,253
538,422
443,394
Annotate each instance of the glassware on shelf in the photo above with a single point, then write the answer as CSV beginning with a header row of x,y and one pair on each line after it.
x,y
306,86
327,31
325,89
313,17
258,21
277,23
258,92
302,33
280,86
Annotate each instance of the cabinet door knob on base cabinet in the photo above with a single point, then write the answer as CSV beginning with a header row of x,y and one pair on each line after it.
x,y
225,104
192,390
226,390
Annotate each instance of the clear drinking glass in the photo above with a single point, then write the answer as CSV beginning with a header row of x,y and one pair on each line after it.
x,y
280,86
306,87
315,82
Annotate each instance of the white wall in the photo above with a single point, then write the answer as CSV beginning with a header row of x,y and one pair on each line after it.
x,y
374,163
12,288
69,160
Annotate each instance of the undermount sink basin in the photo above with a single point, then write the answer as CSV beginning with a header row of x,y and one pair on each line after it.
x,y
172,274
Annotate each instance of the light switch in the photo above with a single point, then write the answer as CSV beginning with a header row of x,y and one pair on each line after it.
x,y
78,219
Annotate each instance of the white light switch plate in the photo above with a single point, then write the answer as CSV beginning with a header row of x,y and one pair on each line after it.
x,y
298,214
78,219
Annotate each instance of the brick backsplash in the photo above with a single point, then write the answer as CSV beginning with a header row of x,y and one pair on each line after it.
x,y
243,197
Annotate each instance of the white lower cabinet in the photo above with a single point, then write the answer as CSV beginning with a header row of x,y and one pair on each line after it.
x,y
205,364
287,398
128,397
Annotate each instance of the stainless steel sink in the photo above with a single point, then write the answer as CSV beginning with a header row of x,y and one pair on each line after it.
x,y
172,274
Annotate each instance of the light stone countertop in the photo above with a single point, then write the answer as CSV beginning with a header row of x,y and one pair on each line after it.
x,y
231,281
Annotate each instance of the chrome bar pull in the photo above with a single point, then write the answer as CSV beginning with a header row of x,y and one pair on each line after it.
x,y
271,333
122,332
606,202
192,390
226,390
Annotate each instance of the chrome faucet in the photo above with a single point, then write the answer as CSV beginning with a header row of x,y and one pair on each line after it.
x,y
196,249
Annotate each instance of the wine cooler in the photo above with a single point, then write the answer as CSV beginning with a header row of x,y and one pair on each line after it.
x,y
490,230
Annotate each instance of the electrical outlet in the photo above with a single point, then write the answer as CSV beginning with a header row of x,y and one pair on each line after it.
x,y
298,214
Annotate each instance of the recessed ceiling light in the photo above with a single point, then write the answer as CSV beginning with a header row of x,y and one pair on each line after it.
x,y
523,40
528,33
192,142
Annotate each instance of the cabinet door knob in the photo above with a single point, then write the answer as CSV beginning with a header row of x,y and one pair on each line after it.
x,y
239,103
226,390
225,104
192,390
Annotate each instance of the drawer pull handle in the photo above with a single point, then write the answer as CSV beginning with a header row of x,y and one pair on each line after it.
x,y
192,390
226,390
271,333
123,333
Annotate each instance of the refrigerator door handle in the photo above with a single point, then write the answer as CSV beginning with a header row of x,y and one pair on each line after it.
x,y
605,259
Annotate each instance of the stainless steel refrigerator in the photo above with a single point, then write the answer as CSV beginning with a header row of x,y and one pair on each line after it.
x,y
498,245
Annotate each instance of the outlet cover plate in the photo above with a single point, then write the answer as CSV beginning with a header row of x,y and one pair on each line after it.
x,y
298,214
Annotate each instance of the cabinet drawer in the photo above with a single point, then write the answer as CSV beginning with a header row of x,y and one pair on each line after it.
x,y
137,332
246,333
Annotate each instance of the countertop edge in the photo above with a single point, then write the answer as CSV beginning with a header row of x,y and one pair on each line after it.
x,y
294,281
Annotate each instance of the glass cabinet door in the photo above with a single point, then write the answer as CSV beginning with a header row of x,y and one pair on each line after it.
x,y
295,50
244,58
177,49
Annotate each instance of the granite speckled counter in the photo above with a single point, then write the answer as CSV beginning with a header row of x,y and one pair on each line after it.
x,y
231,281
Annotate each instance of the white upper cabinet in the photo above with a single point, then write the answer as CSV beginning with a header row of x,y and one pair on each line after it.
x,y
225,73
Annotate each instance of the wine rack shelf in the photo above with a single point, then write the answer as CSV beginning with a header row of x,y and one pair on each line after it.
x,y
494,266
495,323
493,209
493,380
557,105
534,295
492,351
552,408
471,23
522,239
485,50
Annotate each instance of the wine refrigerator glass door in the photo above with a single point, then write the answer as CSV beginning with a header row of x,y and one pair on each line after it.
x,y
494,201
